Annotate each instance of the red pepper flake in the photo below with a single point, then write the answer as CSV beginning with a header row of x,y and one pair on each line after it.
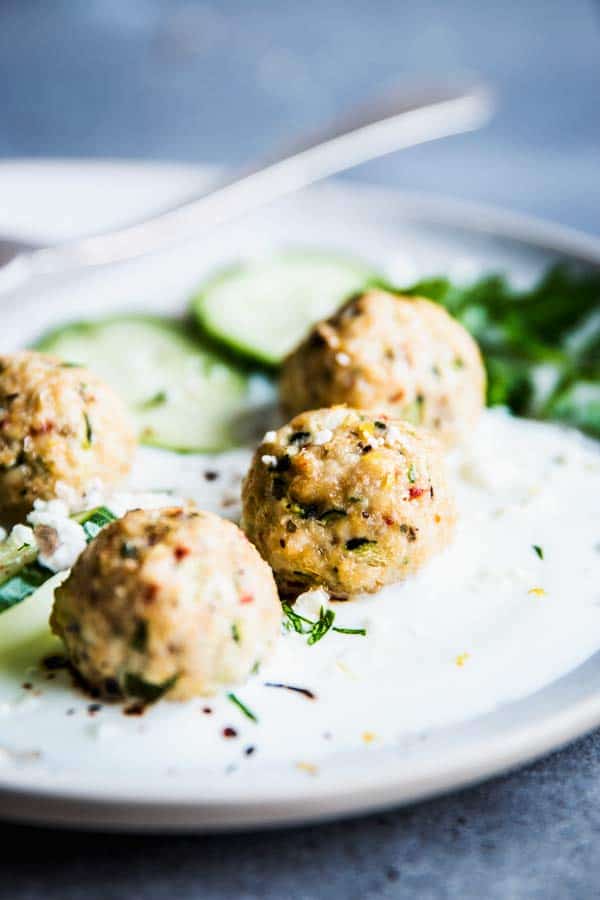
x,y
206,710
246,598
44,428
414,492
150,593
181,552
229,732
388,520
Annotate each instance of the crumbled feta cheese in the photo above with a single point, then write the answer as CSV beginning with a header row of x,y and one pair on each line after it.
x,y
21,534
309,603
322,437
335,417
268,460
393,433
342,359
60,539
270,437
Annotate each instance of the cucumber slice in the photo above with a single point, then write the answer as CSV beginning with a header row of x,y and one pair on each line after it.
x,y
182,396
263,309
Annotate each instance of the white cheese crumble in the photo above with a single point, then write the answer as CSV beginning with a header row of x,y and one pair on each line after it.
x,y
270,437
335,417
342,359
59,547
322,437
21,534
309,603
268,460
122,502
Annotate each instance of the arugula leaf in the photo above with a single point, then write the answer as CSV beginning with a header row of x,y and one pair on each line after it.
x,y
541,346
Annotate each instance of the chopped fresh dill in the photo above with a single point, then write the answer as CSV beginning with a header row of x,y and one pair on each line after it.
x,y
537,549
315,630
242,707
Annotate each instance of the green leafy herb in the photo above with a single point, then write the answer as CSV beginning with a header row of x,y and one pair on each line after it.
x,y
242,706
23,585
158,399
358,543
93,521
541,346
139,641
235,633
315,629
135,686
332,515
321,626
89,432
128,550
412,475
538,550
362,631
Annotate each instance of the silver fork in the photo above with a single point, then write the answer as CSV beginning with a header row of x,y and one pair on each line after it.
x,y
398,119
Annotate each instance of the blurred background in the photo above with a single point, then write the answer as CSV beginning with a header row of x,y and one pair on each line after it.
x,y
226,80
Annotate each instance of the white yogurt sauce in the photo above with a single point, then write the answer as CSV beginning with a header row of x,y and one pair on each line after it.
x,y
486,622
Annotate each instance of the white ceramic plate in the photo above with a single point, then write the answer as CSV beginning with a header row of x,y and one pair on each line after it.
x,y
91,769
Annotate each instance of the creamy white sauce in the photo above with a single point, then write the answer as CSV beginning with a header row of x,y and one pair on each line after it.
x,y
487,622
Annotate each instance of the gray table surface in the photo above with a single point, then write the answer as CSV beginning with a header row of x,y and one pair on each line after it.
x,y
220,81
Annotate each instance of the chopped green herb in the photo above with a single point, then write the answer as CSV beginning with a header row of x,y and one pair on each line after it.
x,y
381,425
538,550
412,475
128,550
135,686
315,629
70,365
158,399
321,626
139,641
23,585
93,521
242,706
332,515
299,437
235,633
362,631
89,433
358,543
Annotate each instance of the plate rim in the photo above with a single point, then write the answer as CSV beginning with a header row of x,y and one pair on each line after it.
x,y
43,801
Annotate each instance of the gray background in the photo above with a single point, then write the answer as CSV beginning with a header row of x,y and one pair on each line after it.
x,y
221,82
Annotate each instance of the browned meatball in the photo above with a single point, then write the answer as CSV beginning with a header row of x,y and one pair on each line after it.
x,y
347,500
171,601
58,423
402,355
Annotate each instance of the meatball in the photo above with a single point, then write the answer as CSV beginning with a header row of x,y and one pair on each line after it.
x,y
58,423
169,601
402,355
347,500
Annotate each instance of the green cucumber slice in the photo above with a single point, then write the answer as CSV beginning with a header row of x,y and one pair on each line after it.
x,y
181,394
261,310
